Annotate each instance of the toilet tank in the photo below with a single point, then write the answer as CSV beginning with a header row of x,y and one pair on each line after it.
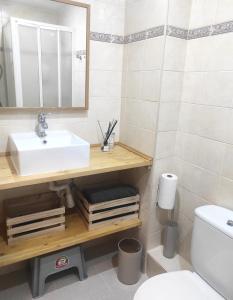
x,y
212,248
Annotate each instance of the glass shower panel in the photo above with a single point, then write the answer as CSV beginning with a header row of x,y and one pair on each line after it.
x,y
29,66
49,65
66,68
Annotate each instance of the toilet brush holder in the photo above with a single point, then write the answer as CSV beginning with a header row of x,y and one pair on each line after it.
x,y
170,239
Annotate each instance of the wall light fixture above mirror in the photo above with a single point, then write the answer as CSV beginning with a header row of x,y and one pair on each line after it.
x,y
44,54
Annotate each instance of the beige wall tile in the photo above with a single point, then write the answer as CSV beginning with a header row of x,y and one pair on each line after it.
x,y
133,84
197,52
193,87
185,236
200,151
106,56
187,202
141,139
168,116
171,87
206,121
153,53
207,88
144,14
179,13
218,88
202,13
107,16
175,52
135,54
146,141
229,122
165,145
153,240
224,11
150,85
163,165
147,115
224,193
199,181
221,53
105,83
227,170
141,114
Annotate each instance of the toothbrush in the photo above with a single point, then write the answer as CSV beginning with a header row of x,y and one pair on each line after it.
x,y
101,129
110,132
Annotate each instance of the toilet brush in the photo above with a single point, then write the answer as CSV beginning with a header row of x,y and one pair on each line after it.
x,y
170,239
166,196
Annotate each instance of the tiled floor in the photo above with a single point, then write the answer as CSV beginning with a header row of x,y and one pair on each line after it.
x,y
102,284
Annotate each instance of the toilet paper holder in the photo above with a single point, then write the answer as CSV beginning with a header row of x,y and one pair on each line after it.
x,y
166,198
166,192
169,211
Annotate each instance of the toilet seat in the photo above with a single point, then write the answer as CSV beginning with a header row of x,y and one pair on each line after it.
x,y
180,285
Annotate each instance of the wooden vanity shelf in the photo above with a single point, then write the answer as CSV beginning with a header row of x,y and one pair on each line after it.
x,y
121,158
76,232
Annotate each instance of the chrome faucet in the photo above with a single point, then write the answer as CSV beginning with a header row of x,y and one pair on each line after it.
x,y
42,125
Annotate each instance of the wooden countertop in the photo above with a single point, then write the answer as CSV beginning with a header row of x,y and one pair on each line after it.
x,y
121,158
76,233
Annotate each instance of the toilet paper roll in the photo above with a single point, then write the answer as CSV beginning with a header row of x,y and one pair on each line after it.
x,y
167,191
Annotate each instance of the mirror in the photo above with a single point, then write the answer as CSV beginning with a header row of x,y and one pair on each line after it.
x,y
44,54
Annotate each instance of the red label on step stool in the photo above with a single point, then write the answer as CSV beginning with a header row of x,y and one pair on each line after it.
x,y
61,262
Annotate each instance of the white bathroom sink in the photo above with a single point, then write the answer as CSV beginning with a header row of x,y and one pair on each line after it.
x,y
58,151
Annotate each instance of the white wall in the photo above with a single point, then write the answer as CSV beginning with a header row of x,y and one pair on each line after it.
x,y
142,75
204,145
174,98
169,111
106,61
153,79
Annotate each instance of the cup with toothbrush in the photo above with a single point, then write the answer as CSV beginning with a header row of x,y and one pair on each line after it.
x,y
108,137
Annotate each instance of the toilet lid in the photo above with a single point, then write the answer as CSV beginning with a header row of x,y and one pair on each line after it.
x,y
176,286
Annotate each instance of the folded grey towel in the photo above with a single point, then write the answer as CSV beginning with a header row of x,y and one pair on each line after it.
x,y
97,195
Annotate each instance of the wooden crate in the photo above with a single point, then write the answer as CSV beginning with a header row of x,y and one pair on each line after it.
x,y
108,212
33,215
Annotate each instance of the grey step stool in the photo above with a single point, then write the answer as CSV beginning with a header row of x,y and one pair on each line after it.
x,y
45,265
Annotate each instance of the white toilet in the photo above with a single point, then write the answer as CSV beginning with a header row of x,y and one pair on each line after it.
x,y
212,260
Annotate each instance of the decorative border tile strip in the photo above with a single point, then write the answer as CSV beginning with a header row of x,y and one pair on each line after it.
x,y
221,28
177,32
131,38
173,31
199,32
145,34
107,38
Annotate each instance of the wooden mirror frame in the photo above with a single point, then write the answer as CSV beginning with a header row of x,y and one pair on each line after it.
x,y
64,109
